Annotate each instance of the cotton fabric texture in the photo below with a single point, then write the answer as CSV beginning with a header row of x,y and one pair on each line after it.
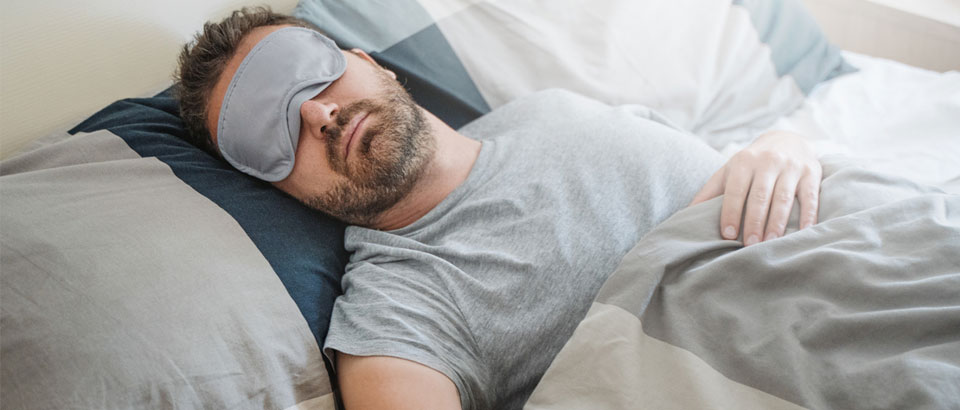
x,y
488,285
138,271
723,70
858,312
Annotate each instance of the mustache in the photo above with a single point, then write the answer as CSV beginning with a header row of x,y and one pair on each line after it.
x,y
333,134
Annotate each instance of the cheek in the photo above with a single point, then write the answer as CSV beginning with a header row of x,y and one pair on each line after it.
x,y
311,176
311,155
304,184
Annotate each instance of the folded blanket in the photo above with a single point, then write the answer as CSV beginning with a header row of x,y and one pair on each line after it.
x,y
861,311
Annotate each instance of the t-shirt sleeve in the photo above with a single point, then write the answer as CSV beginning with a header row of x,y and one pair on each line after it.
x,y
392,310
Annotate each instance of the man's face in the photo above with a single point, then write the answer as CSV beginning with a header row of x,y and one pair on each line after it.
x,y
363,143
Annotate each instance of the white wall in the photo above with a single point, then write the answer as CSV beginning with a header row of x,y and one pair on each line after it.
x,y
923,33
61,60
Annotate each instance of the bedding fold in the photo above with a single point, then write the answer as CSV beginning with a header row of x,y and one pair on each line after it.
x,y
861,311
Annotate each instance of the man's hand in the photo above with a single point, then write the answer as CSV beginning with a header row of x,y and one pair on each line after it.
x,y
766,177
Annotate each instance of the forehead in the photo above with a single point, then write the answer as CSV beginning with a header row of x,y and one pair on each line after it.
x,y
220,89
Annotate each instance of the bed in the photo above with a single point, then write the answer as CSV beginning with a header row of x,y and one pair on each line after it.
x,y
139,272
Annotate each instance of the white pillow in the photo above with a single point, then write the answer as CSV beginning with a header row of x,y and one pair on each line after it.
x,y
723,70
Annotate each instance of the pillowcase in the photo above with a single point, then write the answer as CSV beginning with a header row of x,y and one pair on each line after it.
x,y
720,69
797,46
139,271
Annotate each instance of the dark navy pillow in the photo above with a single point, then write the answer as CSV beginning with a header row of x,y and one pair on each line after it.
x,y
403,37
304,247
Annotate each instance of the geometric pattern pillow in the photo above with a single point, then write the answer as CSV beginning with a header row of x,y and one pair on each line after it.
x,y
721,69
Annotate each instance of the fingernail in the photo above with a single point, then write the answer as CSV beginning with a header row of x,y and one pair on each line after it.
x,y
729,232
771,236
752,240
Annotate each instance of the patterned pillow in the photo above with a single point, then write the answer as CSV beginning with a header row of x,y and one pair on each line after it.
x,y
723,70
139,271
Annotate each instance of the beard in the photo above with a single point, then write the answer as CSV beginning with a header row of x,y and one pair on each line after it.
x,y
380,175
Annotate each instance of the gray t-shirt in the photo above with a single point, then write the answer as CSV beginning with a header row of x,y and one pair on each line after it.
x,y
488,286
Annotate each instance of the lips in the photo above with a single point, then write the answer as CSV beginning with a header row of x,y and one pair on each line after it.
x,y
354,129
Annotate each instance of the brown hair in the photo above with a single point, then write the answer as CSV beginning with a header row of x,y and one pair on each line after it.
x,y
202,62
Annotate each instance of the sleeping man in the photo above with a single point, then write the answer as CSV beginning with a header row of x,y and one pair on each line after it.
x,y
475,251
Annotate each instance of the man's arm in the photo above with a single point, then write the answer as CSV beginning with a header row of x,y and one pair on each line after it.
x,y
382,382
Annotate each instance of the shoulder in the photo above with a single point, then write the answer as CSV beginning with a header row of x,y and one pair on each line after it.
x,y
541,109
558,98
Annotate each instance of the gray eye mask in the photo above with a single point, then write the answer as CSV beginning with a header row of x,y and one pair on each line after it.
x,y
259,125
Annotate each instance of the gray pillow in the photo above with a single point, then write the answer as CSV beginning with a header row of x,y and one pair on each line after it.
x,y
139,272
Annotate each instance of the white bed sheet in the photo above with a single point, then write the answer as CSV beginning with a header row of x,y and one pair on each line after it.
x,y
891,117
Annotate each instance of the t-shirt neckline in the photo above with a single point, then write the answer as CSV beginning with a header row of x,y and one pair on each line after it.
x,y
477,172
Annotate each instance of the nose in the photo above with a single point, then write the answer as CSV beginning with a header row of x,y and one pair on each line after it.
x,y
317,115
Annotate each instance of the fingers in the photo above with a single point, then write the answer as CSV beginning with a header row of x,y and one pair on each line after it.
x,y
758,206
734,195
761,184
712,189
781,205
809,195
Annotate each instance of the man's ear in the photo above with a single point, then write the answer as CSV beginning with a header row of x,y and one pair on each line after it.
x,y
362,54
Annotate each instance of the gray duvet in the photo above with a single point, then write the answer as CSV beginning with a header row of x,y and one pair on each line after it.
x,y
861,311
